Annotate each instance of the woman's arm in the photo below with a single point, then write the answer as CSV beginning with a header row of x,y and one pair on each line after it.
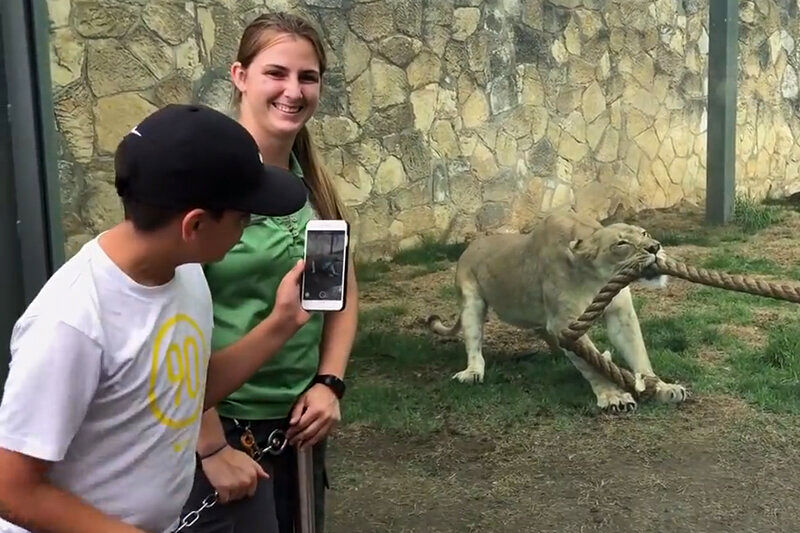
x,y
317,412
231,366
339,331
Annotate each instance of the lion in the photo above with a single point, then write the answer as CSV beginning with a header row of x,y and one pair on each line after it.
x,y
543,280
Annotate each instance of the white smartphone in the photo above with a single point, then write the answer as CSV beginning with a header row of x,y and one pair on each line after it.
x,y
325,274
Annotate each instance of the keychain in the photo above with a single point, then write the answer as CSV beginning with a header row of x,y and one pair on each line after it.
x,y
248,442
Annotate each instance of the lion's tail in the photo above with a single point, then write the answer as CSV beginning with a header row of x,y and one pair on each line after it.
x,y
437,326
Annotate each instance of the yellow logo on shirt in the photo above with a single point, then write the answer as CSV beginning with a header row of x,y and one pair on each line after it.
x,y
177,372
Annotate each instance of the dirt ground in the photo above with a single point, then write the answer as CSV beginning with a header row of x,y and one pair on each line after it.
x,y
713,464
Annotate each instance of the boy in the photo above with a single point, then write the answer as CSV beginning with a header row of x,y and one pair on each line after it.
x,y
110,362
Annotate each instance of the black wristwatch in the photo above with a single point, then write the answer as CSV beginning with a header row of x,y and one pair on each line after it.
x,y
335,384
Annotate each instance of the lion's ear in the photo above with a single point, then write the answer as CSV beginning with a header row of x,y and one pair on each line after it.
x,y
580,248
574,249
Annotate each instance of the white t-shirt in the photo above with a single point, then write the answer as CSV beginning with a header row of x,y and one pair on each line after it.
x,y
107,379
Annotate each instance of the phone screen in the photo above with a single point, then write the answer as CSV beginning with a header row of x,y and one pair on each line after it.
x,y
324,273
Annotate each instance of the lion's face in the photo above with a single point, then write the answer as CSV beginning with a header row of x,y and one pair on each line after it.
x,y
615,246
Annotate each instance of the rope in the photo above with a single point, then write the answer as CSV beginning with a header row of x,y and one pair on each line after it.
x,y
572,337
779,291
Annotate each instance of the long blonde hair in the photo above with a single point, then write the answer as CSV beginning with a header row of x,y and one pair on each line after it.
x,y
255,37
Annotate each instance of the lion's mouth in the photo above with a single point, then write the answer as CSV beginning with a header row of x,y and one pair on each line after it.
x,y
650,272
645,264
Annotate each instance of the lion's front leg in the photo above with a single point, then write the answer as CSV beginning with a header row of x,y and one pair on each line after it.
x,y
609,396
626,336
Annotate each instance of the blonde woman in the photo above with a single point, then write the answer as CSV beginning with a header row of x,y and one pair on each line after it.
x,y
278,78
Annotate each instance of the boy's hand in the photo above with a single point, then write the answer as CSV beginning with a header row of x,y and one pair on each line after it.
x,y
233,474
287,299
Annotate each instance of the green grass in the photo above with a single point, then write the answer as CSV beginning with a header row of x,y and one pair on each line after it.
x,y
401,378
732,305
381,316
401,382
429,252
749,217
368,271
429,256
794,272
769,376
706,236
753,216
737,264
448,292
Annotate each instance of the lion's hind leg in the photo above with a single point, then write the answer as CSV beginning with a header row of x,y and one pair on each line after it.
x,y
626,336
473,315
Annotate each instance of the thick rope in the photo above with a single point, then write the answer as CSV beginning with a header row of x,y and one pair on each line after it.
x,y
779,291
571,338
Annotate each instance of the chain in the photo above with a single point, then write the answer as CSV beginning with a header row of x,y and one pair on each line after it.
x,y
208,502
276,443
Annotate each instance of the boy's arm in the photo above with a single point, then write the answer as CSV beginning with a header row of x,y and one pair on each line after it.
x,y
28,500
232,473
231,366
54,373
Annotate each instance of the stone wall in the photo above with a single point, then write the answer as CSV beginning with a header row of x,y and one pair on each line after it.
x,y
448,117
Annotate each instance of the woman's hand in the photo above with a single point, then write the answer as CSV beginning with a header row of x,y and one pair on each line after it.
x,y
314,416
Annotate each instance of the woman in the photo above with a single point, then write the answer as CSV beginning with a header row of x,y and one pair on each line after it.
x,y
277,77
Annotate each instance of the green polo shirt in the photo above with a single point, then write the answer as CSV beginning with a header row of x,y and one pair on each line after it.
x,y
243,286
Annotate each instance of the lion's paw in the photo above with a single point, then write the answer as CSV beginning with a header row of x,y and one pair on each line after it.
x,y
671,393
469,375
616,402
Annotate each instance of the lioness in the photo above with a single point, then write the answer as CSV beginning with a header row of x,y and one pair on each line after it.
x,y
545,279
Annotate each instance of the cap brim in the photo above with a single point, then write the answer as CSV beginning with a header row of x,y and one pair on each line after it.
x,y
279,193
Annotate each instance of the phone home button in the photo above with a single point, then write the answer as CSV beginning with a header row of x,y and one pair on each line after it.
x,y
322,294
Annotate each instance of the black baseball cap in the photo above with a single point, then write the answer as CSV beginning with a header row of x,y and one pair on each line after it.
x,y
192,156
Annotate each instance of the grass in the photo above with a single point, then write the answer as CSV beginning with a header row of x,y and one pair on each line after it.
x,y
794,272
429,256
753,216
401,377
733,263
402,382
729,307
533,425
749,217
429,252
448,292
705,237
768,376
368,271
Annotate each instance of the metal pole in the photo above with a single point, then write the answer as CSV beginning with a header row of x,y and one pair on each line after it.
x,y
305,486
12,302
723,29
31,242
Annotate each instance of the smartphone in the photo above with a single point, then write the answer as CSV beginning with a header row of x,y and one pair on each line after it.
x,y
325,274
